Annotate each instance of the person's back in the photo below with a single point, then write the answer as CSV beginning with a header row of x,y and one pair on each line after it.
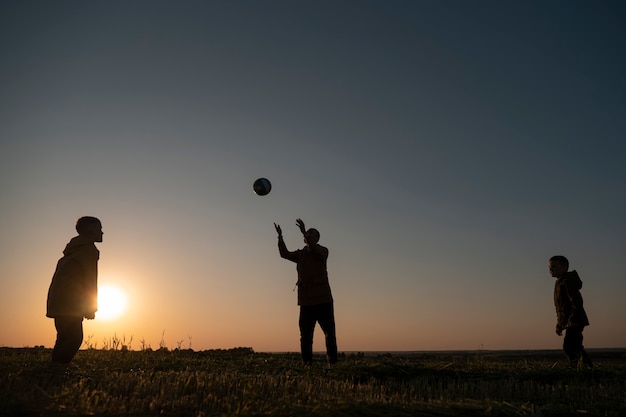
x,y
313,285
569,302
73,291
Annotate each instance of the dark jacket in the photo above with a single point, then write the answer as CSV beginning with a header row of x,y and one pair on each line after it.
x,y
313,286
74,288
569,302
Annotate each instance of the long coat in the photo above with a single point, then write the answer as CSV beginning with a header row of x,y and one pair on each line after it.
x,y
74,288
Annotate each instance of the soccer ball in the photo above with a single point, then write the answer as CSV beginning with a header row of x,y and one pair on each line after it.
x,y
262,186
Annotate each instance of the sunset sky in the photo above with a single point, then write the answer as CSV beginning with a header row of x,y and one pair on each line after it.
x,y
444,150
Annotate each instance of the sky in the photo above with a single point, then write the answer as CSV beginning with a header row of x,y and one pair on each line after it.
x,y
445,150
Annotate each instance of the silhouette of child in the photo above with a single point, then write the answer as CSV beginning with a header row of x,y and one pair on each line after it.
x,y
73,293
570,313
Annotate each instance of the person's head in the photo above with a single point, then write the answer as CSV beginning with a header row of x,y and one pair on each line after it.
x,y
558,265
90,227
311,237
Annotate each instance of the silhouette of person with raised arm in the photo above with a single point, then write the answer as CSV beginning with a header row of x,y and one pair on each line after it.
x,y
314,295
570,314
73,293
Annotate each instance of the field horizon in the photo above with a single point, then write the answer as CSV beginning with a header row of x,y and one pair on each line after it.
x,y
115,344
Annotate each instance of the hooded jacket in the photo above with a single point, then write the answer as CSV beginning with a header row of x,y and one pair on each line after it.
x,y
313,286
569,302
74,287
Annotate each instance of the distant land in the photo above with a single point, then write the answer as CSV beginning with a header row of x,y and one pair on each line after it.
x,y
613,353
504,354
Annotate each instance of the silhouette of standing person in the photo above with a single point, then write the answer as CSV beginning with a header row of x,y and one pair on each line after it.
x,y
314,295
73,292
571,315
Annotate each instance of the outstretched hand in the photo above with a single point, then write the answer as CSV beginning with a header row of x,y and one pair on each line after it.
x,y
300,224
278,230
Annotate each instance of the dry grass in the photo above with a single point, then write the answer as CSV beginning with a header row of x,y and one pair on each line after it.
x,y
240,382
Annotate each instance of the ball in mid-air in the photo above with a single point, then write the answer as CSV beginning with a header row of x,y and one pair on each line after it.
x,y
262,186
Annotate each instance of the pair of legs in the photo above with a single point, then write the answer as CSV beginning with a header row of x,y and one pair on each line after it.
x,y
573,347
69,338
323,314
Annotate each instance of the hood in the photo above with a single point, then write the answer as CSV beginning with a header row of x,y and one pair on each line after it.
x,y
573,279
76,244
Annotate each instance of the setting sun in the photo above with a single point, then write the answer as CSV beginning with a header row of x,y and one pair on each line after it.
x,y
112,302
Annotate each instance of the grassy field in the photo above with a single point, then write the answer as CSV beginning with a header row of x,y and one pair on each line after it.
x,y
240,382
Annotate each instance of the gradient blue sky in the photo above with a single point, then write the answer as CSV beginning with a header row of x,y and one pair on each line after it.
x,y
444,149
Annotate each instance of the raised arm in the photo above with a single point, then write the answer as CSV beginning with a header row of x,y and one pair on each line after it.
x,y
282,247
300,224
